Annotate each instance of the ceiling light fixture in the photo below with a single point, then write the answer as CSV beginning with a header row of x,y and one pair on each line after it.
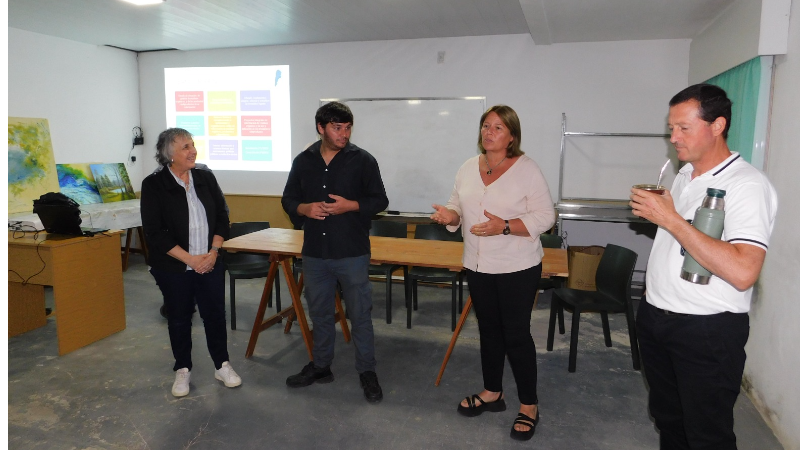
x,y
144,2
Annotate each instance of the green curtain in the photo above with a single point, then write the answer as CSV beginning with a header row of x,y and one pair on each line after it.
x,y
742,84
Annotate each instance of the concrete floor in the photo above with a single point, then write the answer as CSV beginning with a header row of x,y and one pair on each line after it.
x,y
115,394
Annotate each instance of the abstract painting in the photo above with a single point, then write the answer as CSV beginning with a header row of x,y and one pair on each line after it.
x,y
77,183
113,182
31,165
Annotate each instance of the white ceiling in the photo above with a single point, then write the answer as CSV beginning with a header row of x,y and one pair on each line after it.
x,y
205,24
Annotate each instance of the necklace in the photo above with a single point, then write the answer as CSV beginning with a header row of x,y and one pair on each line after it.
x,y
486,159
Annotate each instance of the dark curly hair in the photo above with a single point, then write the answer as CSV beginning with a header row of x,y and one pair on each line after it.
x,y
333,112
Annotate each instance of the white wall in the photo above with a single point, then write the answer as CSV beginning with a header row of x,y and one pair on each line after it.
x,y
748,28
89,94
608,86
773,358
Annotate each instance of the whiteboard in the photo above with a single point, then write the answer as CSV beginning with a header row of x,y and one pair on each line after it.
x,y
420,143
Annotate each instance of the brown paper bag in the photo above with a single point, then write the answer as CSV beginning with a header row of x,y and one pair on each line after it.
x,y
583,262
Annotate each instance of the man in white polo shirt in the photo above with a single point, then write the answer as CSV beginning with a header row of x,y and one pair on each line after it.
x,y
692,336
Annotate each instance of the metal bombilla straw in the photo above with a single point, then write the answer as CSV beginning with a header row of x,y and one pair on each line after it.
x,y
661,174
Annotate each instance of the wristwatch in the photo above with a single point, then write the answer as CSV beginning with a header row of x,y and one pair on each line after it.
x,y
507,229
216,249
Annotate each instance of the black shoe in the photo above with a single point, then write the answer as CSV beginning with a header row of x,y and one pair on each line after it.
x,y
522,419
310,375
474,408
372,390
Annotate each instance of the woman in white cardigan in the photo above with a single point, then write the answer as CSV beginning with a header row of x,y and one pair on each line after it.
x,y
502,203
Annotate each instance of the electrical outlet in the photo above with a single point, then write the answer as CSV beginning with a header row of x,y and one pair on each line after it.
x,y
138,140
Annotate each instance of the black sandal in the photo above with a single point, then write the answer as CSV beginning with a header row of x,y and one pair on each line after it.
x,y
522,419
474,409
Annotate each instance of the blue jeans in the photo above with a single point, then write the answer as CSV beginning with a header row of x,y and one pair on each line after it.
x,y
181,292
320,276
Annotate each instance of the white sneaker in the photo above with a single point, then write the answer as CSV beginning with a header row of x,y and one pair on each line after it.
x,y
181,386
227,375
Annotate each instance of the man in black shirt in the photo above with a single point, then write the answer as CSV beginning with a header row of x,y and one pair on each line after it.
x,y
333,191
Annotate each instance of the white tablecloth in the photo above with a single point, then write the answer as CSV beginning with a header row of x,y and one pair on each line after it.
x,y
113,216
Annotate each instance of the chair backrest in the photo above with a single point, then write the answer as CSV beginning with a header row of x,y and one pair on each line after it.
x,y
242,228
436,232
388,228
551,240
615,272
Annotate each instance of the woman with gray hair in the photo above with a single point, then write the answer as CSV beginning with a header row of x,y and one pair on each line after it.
x,y
185,223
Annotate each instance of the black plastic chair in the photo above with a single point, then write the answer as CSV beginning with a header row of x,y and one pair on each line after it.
x,y
549,241
386,228
613,295
245,266
435,232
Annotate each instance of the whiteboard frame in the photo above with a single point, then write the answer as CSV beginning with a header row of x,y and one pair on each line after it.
x,y
323,101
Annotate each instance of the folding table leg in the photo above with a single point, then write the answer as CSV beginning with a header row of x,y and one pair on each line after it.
x,y
453,340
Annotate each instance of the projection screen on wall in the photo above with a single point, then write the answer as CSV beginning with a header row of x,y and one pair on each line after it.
x,y
239,116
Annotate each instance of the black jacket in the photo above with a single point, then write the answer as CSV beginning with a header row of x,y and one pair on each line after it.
x,y
165,215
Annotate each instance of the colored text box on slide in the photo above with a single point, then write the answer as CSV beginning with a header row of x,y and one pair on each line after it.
x,y
255,100
189,101
257,150
256,126
193,124
222,100
222,126
223,150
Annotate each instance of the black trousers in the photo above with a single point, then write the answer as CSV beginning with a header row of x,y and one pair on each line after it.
x,y
503,305
693,365
181,292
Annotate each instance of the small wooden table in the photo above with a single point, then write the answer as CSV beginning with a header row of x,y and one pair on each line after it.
x,y
86,275
282,244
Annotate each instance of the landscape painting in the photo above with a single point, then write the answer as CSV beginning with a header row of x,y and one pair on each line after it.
x,y
77,182
31,165
113,182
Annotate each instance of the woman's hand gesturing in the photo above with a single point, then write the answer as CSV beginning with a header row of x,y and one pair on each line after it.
x,y
444,216
491,227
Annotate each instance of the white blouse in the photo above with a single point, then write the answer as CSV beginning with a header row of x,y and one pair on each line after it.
x,y
520,193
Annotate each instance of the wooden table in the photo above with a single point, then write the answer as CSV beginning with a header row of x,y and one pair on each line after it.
x,y
282,244
86,275
124,215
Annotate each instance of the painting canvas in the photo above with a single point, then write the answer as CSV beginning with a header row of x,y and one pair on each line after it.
x,y
31,165
77,183
113,182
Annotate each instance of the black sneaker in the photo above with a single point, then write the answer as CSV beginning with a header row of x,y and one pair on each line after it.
x,y
310,375
372,390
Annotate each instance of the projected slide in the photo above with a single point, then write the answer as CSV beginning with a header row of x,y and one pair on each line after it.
x,y
239,116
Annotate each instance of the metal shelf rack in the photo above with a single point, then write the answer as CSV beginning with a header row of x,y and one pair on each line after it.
x,y
593,209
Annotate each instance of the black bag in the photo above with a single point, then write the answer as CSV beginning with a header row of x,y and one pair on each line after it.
x,y
55,198
58,213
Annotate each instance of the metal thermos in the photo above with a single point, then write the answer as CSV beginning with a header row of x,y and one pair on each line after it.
x,y
710,219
